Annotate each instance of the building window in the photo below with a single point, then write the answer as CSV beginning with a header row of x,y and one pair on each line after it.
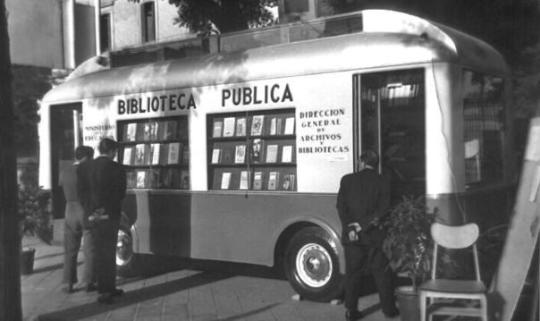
x,y
105,32
483,127
148,21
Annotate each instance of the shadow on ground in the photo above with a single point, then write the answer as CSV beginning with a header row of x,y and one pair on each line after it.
x,y
134,297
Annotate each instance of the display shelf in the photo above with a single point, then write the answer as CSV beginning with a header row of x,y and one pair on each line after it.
x,y
252,151
155,152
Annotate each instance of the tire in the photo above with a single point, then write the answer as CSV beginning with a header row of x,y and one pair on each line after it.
x,y
312,266
127,262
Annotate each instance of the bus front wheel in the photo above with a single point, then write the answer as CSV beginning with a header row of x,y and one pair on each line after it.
x,y
312,266
126,259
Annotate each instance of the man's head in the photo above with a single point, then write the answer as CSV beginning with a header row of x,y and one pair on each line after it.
x,y
83,153
369,158
108,147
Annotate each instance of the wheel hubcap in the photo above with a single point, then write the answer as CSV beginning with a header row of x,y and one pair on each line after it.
x,y
124,248
314,265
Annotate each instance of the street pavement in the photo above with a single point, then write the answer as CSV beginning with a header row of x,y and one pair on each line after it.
x,y
204,291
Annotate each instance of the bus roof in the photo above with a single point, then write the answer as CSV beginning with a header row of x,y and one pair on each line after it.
x,y
387,38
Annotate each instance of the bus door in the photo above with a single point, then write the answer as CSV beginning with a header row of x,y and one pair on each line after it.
x,y
390,120
66,134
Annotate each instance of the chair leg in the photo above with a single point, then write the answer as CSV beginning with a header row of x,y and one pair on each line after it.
x,y
422,298
484,307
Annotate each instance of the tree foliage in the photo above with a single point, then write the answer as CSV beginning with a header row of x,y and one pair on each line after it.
x,y
218,16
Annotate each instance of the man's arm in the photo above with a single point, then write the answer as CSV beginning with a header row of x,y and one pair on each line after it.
x,y
122,182
342,202
83,187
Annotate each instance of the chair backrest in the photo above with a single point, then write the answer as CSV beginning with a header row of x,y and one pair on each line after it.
x,y
455,237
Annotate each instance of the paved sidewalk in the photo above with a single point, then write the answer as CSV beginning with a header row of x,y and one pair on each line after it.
x,y
230,294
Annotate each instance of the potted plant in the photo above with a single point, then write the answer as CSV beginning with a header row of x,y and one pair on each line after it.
x,y
35,217
408,246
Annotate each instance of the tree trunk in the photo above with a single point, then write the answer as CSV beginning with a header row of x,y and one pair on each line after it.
x,y
10,284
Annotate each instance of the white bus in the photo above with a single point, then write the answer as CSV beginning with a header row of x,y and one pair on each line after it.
x,y
237,156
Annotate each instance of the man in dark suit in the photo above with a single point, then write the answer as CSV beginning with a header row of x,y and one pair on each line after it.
x,y
102,187
362,200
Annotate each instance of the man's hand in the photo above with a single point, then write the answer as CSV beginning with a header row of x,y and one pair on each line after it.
x,y
353,236
354,229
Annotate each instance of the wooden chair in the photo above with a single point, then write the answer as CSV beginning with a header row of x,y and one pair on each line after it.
x,y
440,294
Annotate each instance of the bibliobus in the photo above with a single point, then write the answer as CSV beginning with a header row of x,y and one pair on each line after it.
x,y
237,156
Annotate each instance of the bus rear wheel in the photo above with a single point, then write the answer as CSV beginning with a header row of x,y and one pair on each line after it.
x,y
312,266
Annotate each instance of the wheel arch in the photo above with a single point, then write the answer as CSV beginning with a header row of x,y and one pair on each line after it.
x,y
289,229
127,223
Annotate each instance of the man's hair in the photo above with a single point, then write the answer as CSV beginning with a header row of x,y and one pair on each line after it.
x,y
107,145
84,151
370,158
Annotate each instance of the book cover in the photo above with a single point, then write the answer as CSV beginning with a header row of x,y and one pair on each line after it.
x,y
162,130
184,179
225,180
163,154
273,180
256,150
286,154
153,130
217,129
147,154
241,126
185,155
171,131
126,158
227,157
273,126
244,180
139,154
154,152
139,132
131,179
257,125
240,154
216,152
131,132
228,126
288,182
271,153
174,153
289,126
141,179
153,178
167,177
146,131
257,180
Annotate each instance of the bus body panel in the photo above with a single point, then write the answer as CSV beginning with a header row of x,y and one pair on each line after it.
x,y
237,226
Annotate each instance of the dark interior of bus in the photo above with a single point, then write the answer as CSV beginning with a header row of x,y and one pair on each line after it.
x,y
392,123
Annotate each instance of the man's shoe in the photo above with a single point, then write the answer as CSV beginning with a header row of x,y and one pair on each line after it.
x,y
353,315
105,298
90,287
117,292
